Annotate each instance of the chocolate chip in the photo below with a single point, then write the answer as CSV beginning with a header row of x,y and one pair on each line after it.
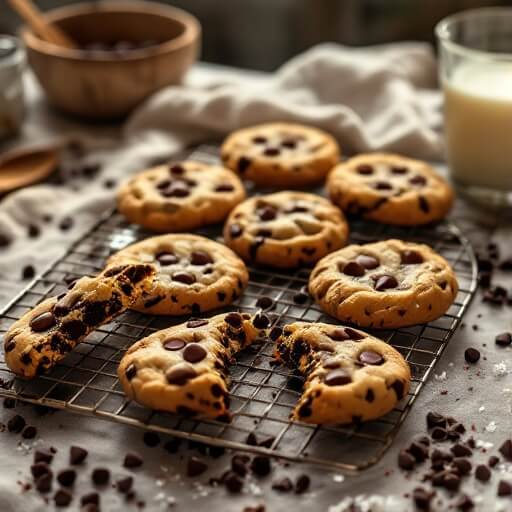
x,y
173,344
234,320
289,143
283,484
260,465
382,185
62,498
338,377
39,468
461,450
364,169
9,346
482,473
196,322
224,187
370,357
44,483
200,258
66,477
239,464
233,482
259,139
471,355
131,371
4,240
163,184
439,434
90,498
354,269
504,488
506,449
422,498
385,282
194,352
406,460
267,212
180,374
33,231
243,164
463,465
260,321
418,450
100,476
434,419
368,262
74,329
29,432
151,439
77,455
43,456
398,387
125,484
452,482
265,303
411,257
132,460
195,467
235,230
504,339
184,277
301,297
66,223
275,333
28,272
418,180
43,322
423,204
271,151
167,258
16,424
399,169
177,169
176,189
464,503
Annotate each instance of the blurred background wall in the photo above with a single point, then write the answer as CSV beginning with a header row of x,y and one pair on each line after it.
x,y
262,34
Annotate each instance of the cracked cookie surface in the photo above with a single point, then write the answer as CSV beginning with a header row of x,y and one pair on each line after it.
x,y
193,274
391,189
350,376
180,197
281,154
45,334
384,284
183,369
285,229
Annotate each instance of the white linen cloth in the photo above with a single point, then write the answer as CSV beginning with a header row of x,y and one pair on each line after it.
x,y
379,98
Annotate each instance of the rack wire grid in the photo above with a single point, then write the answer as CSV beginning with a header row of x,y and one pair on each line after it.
x,y
262,395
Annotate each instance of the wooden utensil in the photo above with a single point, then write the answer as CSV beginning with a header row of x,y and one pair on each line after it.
x,y
35,19
25,166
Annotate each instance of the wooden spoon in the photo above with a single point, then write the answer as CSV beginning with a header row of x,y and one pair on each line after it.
x,y
25,166
35,19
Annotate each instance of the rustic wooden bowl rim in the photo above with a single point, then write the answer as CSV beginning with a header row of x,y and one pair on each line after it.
x,y
191,30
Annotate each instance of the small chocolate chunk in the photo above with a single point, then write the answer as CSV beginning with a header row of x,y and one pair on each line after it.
x,y
180,374
354,269
506,449
39,468
451,481
471,355
260,465
234,320
364,169
368,262
16,424
406,460
66,477
125,484
370,357
482,473
463,465
461,450
43,322
338,377
167,258
382,185
504,488
283,484
418,450
132,460
43,456
434,419
194,352
173,344
184,277
504,339
130,371
90,498
195,467
422,498
385,282
62,498
410,257
43,484
29,432
233,482
100,476
200,258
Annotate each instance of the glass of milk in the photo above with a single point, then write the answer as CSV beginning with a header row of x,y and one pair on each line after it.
x,y
476,74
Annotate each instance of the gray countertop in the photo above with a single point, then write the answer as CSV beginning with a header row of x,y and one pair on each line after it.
x,y
480,396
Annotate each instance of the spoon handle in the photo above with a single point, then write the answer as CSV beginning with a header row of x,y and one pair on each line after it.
x,y
35,19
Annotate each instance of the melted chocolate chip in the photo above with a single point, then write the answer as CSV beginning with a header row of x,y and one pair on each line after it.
x,y
275,333
224,187
399,169
267,212
234,320
173,344
177,189
9,346
259,139
200,258
411,257
243,164
354,269
130,371
261,321
180,375
167,258
77,455
265,303
364,169
385,282
235,230
338,377
177,169
368,262
271,151
371,358
418,180
194,352
289,143
184,277
382,185
73,329
423,204
163,184
398,386
43,322
472,355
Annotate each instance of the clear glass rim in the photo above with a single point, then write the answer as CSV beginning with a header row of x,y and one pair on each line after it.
x,y
442,32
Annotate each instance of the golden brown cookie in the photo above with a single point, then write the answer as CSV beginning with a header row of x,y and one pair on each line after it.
x,y
180,197
384,284
286,229
391,189
183,369
194,274
281,154
350,375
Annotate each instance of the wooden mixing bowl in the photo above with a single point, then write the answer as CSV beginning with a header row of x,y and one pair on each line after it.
x,y
102,85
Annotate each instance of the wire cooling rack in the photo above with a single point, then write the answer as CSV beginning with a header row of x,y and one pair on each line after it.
x,y
262,395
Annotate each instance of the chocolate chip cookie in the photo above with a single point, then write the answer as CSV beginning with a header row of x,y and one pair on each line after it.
x,y
350,375
286,229
281,154
194,274
384,284
391,189
45,334
183,369
180,197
